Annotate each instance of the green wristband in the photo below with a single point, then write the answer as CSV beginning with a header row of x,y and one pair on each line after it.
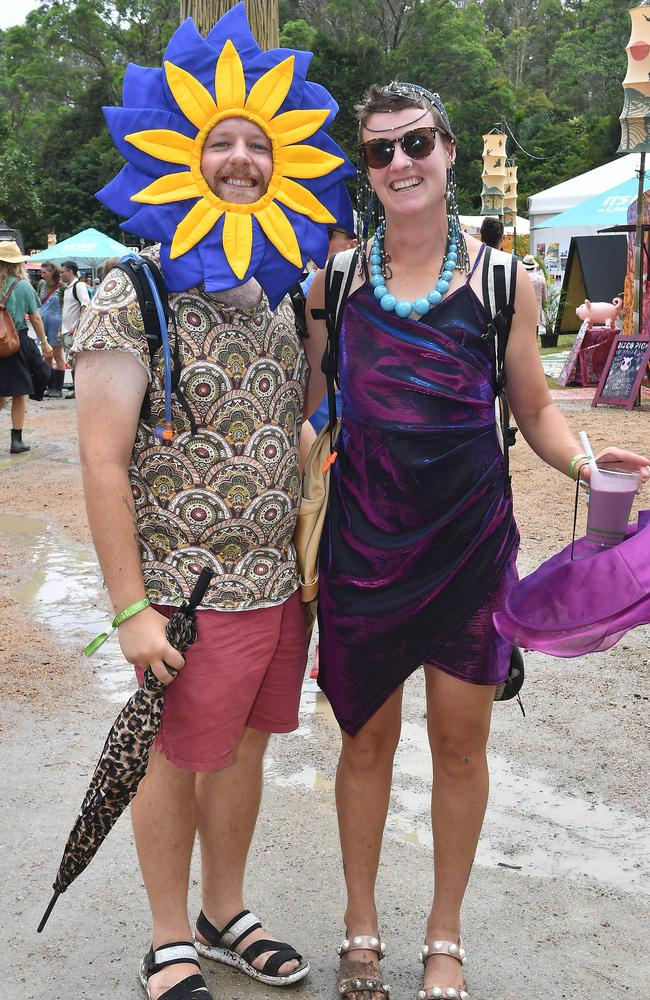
x,y
573,463
132,609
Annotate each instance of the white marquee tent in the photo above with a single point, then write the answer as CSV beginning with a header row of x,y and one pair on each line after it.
x,y
563,196
472,225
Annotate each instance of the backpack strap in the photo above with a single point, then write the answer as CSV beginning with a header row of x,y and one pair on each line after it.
x,y
339,274
5,299
499,290
134,267
298,301
135,272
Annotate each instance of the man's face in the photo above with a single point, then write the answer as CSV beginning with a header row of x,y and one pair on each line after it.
x,y
237,161
67,275
340,241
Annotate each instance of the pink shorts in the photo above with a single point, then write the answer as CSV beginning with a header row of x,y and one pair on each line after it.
x,y
245,669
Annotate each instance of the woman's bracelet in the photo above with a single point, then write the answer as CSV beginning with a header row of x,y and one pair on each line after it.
x,y
122,616
574,461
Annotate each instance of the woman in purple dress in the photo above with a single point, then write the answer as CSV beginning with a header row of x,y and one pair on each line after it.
x,y
420,544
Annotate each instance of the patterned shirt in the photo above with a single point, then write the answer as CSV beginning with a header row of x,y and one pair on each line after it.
x,y
228,496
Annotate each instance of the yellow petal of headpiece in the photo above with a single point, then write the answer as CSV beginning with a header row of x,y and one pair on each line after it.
x,y
301,200
269,92
308,161
294,126
280,232
197,223
229,83
238,242
163,144
191,96
171,187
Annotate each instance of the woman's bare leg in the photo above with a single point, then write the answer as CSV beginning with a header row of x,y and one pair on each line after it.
x,y
58,358
458,717
363,782
18,408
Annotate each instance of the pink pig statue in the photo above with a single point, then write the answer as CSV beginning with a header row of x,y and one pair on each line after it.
x,y
600,313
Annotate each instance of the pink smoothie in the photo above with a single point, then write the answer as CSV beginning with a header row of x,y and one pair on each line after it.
x,y
610,501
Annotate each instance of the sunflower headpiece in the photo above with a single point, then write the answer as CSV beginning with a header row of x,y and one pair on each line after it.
x,y
160,130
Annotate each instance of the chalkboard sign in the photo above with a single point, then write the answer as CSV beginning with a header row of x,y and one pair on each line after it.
x,y
622,375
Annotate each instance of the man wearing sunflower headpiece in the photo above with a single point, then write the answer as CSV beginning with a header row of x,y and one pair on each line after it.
x,y
230,170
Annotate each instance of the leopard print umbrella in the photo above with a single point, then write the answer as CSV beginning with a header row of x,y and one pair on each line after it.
x,y
123,761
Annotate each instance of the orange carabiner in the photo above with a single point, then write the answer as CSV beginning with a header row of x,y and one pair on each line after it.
x,y
330,460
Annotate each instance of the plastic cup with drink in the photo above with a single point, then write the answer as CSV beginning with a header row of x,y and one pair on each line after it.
x,y
610,501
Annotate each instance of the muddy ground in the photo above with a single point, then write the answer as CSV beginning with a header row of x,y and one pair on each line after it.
x,y
559,902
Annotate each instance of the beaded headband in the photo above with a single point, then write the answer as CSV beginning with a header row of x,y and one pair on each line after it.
x,y
166,116
416,93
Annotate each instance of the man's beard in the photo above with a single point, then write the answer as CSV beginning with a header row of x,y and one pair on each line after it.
x,y
238,194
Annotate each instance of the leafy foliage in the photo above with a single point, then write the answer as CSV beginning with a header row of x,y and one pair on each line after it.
x,y
551,68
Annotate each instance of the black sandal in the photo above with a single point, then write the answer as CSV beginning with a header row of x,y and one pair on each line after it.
x,y
192,988
222,944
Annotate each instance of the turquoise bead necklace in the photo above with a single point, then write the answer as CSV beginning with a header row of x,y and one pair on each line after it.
x,y
421,305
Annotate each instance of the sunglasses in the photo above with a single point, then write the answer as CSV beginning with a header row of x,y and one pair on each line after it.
x,y
416,144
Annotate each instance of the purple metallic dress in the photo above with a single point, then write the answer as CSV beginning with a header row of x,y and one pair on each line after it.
x,y
420,541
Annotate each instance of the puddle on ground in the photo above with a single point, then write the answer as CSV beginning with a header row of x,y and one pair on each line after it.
x,y
529,825
63,590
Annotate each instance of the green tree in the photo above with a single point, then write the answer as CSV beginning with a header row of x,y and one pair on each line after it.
x,y
347,72
20,200
298,35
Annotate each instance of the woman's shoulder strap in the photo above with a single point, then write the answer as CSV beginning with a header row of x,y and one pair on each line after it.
x,y
339,275
499,282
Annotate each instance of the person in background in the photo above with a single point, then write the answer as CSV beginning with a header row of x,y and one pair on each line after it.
x,y
21,301
75,300
107,266
49,288
538,280
492,232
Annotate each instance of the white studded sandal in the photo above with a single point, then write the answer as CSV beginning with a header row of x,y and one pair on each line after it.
x,y
362,984
454,950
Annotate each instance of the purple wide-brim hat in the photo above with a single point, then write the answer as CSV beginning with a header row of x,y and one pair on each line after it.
x,y
568,607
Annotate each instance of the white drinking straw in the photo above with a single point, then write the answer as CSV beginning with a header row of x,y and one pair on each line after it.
x,y
584,441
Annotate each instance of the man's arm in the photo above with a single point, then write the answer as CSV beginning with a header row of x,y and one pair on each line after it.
x,y
110,387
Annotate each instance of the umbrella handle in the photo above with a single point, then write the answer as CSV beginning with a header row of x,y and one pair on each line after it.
x,y
200,588
46,915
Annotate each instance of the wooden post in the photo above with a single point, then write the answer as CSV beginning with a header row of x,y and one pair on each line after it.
x,y
262,17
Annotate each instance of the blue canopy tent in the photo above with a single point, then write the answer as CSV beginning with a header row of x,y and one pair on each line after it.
x,y
89,248
603,210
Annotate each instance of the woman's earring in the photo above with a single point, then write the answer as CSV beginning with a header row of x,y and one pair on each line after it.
x,y
370,213
455,228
